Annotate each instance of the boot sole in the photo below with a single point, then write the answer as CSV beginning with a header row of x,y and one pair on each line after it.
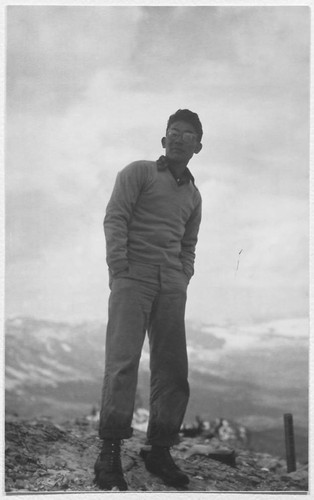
x,y
108,485
165,478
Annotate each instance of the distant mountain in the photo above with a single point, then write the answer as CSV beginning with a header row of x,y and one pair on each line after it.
x,y
56,369
53,368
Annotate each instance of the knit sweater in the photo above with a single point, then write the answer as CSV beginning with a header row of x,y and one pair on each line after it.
x,y
152,218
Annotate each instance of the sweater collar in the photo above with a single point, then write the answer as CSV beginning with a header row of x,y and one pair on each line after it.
x,y
163,163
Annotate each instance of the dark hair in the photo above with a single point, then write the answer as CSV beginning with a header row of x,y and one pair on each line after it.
x,y
187,116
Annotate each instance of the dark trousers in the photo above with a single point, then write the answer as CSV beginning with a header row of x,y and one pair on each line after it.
x,y
146,298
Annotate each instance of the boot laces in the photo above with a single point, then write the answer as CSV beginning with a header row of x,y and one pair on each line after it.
x,y
111,455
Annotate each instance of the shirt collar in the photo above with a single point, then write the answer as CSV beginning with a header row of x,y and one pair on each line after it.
x,y
163,162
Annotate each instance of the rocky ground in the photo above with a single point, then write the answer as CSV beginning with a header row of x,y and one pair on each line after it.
x,y
42,456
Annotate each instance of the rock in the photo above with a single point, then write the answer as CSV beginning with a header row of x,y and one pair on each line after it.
x,y
19,484
299,476
42,457
199,449
60,463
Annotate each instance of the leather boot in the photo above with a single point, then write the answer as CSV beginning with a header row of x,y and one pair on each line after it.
x,y
108,468
160,462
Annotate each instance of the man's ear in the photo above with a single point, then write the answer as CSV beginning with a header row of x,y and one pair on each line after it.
x,y
198,148
163,142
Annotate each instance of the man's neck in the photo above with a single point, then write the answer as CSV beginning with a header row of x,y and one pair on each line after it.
x,y
177,168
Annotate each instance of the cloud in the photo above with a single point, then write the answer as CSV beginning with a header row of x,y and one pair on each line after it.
x,y
271,232
90,90
52,51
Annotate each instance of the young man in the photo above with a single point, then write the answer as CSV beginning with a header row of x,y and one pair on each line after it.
x,y
151,228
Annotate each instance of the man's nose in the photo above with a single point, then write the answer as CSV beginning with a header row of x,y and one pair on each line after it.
x,y
179,138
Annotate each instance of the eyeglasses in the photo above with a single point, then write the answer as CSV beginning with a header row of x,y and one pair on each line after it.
x,y
187,137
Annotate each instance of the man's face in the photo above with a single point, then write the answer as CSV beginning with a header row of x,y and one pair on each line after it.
x,y
181,142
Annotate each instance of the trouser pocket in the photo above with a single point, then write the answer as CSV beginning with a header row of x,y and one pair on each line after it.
x,y
121,274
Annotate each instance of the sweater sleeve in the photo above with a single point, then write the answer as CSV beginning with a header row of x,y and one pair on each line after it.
x,y
127,188
189,240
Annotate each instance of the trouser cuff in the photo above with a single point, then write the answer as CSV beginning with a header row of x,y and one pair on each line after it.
x,y
166,441
115,433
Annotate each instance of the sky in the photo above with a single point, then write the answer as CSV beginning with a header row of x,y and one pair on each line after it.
x,y
89,90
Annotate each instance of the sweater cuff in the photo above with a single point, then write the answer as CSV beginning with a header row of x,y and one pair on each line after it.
x,y
188,274
118,267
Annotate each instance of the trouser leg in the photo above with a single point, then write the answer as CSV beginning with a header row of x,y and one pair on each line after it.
x,y
169,367
124,341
